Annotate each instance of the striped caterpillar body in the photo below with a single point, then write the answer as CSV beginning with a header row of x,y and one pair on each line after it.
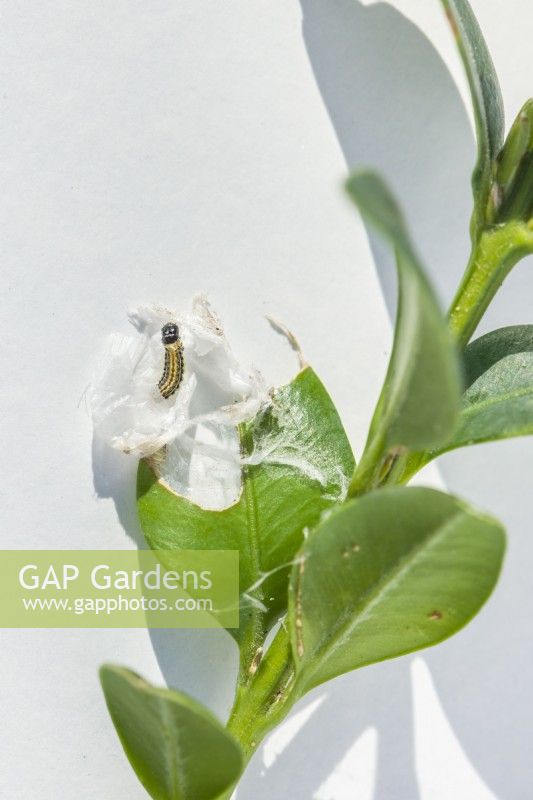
x,y
174,361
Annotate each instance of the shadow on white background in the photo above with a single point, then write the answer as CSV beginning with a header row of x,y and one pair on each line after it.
x,y
152,150
365,58
355,738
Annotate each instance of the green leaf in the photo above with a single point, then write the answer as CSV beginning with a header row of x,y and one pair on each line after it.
x,y
498,403
388,573
419,401
177,748
486,99
484,353
305,462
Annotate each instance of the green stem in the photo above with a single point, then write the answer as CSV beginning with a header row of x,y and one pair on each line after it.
x,y
378,467
267,689
268,696
264,701
366,473
495,253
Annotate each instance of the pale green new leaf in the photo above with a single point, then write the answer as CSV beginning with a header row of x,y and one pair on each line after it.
x,y
304,465
486,99
391,572
419,401
177,748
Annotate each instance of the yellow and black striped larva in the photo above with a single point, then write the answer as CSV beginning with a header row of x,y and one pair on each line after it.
x,y
174,361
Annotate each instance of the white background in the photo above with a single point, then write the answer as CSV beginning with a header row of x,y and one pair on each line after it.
x,y
153,149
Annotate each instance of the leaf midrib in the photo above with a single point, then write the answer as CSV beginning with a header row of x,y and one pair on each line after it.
x,y
178,784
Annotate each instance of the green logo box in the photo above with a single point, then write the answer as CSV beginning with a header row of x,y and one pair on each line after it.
x,y
119,588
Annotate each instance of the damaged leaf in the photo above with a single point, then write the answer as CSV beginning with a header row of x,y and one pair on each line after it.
x,y
296,463
386,574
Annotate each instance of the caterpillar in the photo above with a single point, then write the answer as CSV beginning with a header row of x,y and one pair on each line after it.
x,y
174,361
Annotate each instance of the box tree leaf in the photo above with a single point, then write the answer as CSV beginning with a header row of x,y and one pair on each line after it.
x,y
486,99
388,573
498,400
304,465
177,748
419,402
486,351
499,404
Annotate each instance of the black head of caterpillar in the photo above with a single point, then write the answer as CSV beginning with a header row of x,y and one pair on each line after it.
x,y
174,363
170,333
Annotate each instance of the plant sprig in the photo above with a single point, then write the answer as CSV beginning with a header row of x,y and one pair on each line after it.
x,y
384,569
